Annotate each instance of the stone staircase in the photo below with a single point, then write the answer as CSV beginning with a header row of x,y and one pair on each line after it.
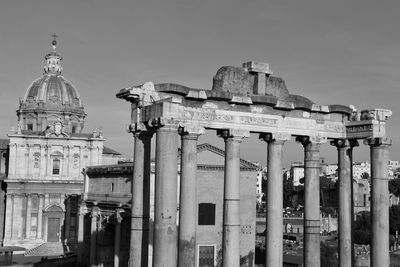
x,y
46,249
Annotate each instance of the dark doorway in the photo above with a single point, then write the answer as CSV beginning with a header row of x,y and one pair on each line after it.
x,y
53,229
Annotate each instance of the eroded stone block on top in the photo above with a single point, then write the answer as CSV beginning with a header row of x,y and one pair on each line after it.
x,y
241,81
234,80
254,66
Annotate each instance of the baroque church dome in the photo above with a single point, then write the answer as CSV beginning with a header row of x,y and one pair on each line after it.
x,y
51,98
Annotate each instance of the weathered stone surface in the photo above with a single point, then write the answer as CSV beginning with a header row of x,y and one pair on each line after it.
x,y
254,66
301,102
276,86
233,80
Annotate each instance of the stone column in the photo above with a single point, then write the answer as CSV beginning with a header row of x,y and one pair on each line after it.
x,y
93,237
311,200
140,212
274,220
345,159
188,199
165,229
117,236
40,217
231,219
81,223
28,215
379,201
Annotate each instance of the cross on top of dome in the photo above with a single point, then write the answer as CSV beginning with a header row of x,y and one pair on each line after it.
x,y
53,60
54,43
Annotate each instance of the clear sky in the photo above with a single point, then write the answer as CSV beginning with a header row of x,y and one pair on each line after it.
x,y
333,52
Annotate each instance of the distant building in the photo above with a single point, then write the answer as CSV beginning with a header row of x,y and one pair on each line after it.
x,y
45,157
330,169
359,168
261,175
297,172
361,195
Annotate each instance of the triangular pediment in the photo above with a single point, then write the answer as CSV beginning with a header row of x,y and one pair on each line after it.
x,y
210,155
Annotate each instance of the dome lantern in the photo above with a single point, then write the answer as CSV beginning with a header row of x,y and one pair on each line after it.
x,y
53,60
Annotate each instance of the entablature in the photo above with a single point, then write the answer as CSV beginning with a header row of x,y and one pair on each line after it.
x,y
248,98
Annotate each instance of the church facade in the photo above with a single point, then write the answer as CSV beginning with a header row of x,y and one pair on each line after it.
x,y
47,152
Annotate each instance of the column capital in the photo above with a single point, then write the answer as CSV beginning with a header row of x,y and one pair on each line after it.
x,y
118,215
374,142
95,212
83,210
308,140
233,133
342,143
191,131
162,123
278,137
136,127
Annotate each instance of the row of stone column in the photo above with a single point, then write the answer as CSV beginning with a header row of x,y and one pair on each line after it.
x,y
379,198
165,227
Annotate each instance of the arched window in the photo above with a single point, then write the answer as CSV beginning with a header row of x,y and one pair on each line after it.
x,y
56,166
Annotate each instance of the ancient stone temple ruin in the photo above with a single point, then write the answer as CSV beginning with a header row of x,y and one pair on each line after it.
x,y
246,100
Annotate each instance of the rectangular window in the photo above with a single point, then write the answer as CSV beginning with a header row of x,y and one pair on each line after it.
x,y
206,256
29,126
56,166
73,128
206,214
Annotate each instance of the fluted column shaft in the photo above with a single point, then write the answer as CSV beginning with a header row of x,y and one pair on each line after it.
x,y
165,229
274,220
311,202
140,212
345,151
188,200
379,148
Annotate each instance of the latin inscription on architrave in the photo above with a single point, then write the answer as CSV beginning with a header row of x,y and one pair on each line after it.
x,y
213,116
360,131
